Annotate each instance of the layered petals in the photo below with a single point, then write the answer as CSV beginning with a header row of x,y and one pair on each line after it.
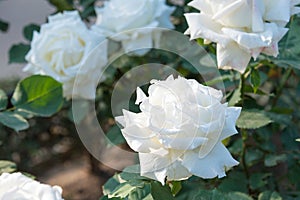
x,y
180,125
242,29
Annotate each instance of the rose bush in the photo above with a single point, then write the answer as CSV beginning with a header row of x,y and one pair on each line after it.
x,y
117,17
66,49
19,187
180,129
242,29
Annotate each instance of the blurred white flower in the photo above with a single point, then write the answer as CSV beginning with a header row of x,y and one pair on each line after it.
x,y
180,129
16,186
241,28
132,22
66,49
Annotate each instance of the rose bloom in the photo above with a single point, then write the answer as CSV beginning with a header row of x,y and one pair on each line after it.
x,y
66,49
241,28
180,129
16,186
132,22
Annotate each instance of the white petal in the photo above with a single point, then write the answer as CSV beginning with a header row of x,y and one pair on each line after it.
x,y
232,114
202,26
232,57
213,165
154,166
279,11
140,96
177,171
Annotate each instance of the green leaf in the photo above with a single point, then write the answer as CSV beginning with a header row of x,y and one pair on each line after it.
x,y
238,196
3,26
39,95
7,166
14,121
290,52
258,180
159,192
3,100
18,52
29,29
61,5
210,195
228,184
111,184
132,173
273,160
268,195
255,80
115,136
237,95
175,187
253,119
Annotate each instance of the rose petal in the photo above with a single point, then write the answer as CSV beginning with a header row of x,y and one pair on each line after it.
x,y
214,164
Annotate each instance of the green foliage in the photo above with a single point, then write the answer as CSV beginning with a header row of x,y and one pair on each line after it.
x,y
7,166
3,26
289,47
268,195
115,136
14,121
39,95
255,80
61,5
18,52
29,30
129,185
253,119
3,100
34,96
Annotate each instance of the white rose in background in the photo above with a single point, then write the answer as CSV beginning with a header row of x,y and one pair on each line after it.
x,y
16,186
241,28
117,17
180,129
64,46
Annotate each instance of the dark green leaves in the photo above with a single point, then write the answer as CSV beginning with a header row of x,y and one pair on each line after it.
x,y
115,136
39,95
18,52
3,100
217,195
253,119
129,185
3,26
160,192
289,47
29,29
255,80
61,5
7,166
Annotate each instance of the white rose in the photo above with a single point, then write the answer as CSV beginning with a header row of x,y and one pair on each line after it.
x,y
117,17
67,50
241,28
19,187
180,129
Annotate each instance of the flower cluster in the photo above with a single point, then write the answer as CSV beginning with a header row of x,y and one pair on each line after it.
x,y
241,28
18,186
180,129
